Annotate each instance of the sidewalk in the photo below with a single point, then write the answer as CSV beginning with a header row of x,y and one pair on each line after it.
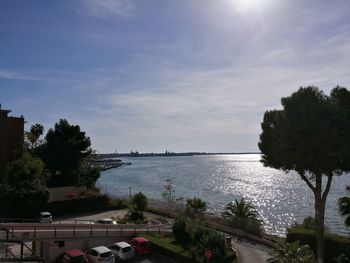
x,y
248,252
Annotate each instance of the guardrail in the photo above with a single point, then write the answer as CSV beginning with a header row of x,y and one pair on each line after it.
x,y
28,232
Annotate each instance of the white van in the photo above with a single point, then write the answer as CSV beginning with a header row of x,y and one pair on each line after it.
x,y
45,218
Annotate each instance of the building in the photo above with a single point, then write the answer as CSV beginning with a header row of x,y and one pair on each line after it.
x,y
11,138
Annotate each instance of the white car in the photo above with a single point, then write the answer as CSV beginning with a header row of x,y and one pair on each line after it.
x,y
100,254
106,221
45,218
122,251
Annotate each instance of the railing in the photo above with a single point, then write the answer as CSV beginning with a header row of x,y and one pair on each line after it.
x,y
28,232
23,251
28,259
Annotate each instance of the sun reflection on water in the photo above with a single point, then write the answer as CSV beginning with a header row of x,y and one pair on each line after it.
x,y
280,198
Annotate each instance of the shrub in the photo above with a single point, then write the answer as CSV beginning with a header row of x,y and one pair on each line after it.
x,y
140,201
182,230
335,245
135,215
213,241
84,204
309,223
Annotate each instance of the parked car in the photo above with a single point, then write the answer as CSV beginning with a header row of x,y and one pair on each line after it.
x,y
122,251
72,256
141,245
100,254
45,218
106,221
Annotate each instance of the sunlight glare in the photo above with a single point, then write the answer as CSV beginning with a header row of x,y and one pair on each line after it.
x,y
250,6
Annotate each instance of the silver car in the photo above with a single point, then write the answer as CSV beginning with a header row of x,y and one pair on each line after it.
x,y
122,251
100,254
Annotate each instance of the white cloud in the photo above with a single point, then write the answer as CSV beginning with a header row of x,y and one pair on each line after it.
x,y
107,8
10,74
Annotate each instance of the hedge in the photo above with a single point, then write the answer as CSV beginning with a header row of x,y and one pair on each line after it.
x,y
334,244
84,204
167,246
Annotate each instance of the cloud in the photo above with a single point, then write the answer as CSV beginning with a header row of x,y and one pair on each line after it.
x,y
14,75
107,8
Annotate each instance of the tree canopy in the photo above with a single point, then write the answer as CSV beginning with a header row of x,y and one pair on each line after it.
x,y
64,153
23,192
195,207
34,134
310,135
140,201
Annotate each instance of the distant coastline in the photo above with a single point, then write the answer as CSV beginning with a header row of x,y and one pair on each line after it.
x,y
167,154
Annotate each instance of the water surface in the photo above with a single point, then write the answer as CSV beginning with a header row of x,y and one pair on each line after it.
x,y
280,198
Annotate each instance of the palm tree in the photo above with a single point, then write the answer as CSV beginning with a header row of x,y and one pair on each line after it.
x,y
195,207
242,214
292,253
241,209
344,207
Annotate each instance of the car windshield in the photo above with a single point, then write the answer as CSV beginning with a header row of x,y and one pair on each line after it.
x,y
106,254
45,216
78,259
105,221
126,249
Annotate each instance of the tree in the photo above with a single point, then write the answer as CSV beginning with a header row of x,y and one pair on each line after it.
x,y
140,201
242,214
310,136
290,253
64,153
24,187
195,207
344,207
34,134
242,209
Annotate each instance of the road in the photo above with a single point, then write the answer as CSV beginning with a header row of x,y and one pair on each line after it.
x,y
250,252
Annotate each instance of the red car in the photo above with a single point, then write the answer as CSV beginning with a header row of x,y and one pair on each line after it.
x,y
72,256
141,245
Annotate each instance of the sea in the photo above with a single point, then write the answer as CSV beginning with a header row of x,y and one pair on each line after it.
x,y
280,198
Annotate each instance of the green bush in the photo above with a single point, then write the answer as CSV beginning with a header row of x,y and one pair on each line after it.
x,y
214,242
84,204
139,201
335,245
249,225
182,230
135,215
168,246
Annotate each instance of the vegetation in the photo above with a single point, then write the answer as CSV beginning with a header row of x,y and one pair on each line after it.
x,y
33,135
139,201
335,245
242,214
64,153
195,207
199,239
182,230
86,203
310,136
344,207
23,192
292,253
309,223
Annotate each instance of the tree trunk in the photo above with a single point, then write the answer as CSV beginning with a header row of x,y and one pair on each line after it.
x,y
319,232
319,218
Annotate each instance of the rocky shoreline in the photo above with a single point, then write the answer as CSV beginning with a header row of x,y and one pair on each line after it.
x,y
106,164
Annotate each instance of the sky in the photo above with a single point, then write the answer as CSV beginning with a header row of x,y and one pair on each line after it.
x,y
176,75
